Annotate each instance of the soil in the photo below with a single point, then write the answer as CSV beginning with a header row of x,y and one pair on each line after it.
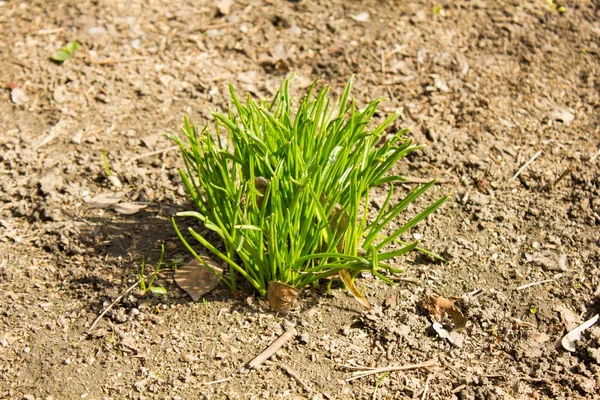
x,y
487,85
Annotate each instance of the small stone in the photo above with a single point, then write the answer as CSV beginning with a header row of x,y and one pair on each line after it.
x,y
189,358
18,96
304,338
60,94
97,30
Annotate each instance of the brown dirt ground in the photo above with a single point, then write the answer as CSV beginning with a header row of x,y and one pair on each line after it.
x,y
486,84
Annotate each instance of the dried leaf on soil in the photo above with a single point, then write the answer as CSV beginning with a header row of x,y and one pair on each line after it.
x,y
453,337
568,341
129,208
196,279
105,200
440,307
347,279
281,297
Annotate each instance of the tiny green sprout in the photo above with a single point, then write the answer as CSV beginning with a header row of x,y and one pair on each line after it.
x,y
149,286
205,303
533,310
66,52
379,382
437,9
106,163
561,9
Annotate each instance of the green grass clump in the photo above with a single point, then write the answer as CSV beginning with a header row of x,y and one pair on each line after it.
x,y
287,190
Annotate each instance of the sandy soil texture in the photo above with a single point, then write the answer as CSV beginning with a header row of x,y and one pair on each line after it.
x,y
505,94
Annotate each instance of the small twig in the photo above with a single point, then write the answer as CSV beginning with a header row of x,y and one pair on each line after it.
x,y
561,177
527,164
129,289
218,26
458,388
215,382
49,31
424,396
295,375
528,285
367,371
405,279
272,349
150,154
111,61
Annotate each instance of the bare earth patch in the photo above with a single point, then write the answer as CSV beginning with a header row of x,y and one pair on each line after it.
x,y
505,94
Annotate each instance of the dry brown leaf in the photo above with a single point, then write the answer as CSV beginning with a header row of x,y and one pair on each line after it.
x,y
129,208
440,307
104,200
281,297
196,279
347,279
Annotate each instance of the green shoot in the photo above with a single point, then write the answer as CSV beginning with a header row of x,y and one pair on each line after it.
x,y
146,287
287,190
66,52
106,163
379,382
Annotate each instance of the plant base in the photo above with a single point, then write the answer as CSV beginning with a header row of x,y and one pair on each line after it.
x,y
281,297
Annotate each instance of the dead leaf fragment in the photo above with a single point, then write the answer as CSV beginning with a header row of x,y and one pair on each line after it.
x,y
150,141
453,337
568,341
281,297
345,277
440,307
196,279
129,208
105,200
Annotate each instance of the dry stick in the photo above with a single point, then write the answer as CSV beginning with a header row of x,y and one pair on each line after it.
x,y
295,375
272,349
215,382
561,177
528,285
152,153
49,31
129,289
424,396
405,279
531,160
368,371
117,60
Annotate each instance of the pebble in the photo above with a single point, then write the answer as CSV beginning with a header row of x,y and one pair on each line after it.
x,y
97,30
